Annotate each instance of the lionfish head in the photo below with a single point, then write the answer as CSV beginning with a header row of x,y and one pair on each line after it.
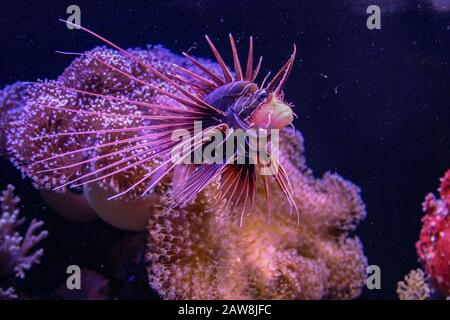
x,y
274,112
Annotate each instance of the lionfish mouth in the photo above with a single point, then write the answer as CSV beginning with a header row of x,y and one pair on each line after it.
x,y
238,182
272,114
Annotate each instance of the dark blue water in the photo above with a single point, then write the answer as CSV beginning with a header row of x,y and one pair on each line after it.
x,y
373,105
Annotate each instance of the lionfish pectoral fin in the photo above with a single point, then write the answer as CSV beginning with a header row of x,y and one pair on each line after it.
x,y
158,175
193,180
267,197
283,182
181,174
238,186
276,170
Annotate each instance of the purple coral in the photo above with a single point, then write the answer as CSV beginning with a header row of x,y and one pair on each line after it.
x,y
16,251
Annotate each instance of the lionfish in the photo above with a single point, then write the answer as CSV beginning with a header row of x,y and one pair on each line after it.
x,y
232,100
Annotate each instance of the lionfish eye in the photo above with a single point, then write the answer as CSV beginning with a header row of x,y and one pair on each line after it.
x,y
262,96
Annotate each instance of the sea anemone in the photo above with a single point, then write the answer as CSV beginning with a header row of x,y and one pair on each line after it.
x,y
197,252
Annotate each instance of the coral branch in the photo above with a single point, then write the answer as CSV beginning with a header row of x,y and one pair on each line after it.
x,y
414,286
16,252
8,294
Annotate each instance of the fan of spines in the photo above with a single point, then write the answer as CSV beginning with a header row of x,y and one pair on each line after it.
x,y
238,182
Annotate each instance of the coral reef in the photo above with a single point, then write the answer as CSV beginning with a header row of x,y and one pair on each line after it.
x,y
414,286
16,251
196,253
193,252
433,247
94,286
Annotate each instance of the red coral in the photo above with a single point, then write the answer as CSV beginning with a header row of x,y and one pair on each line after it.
x,y
433,246
444,190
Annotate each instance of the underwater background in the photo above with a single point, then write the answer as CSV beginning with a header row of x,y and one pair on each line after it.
x,y
373,105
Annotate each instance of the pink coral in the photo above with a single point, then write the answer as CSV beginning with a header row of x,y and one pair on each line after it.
x,y
433,247
197,253
16,251
414,286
